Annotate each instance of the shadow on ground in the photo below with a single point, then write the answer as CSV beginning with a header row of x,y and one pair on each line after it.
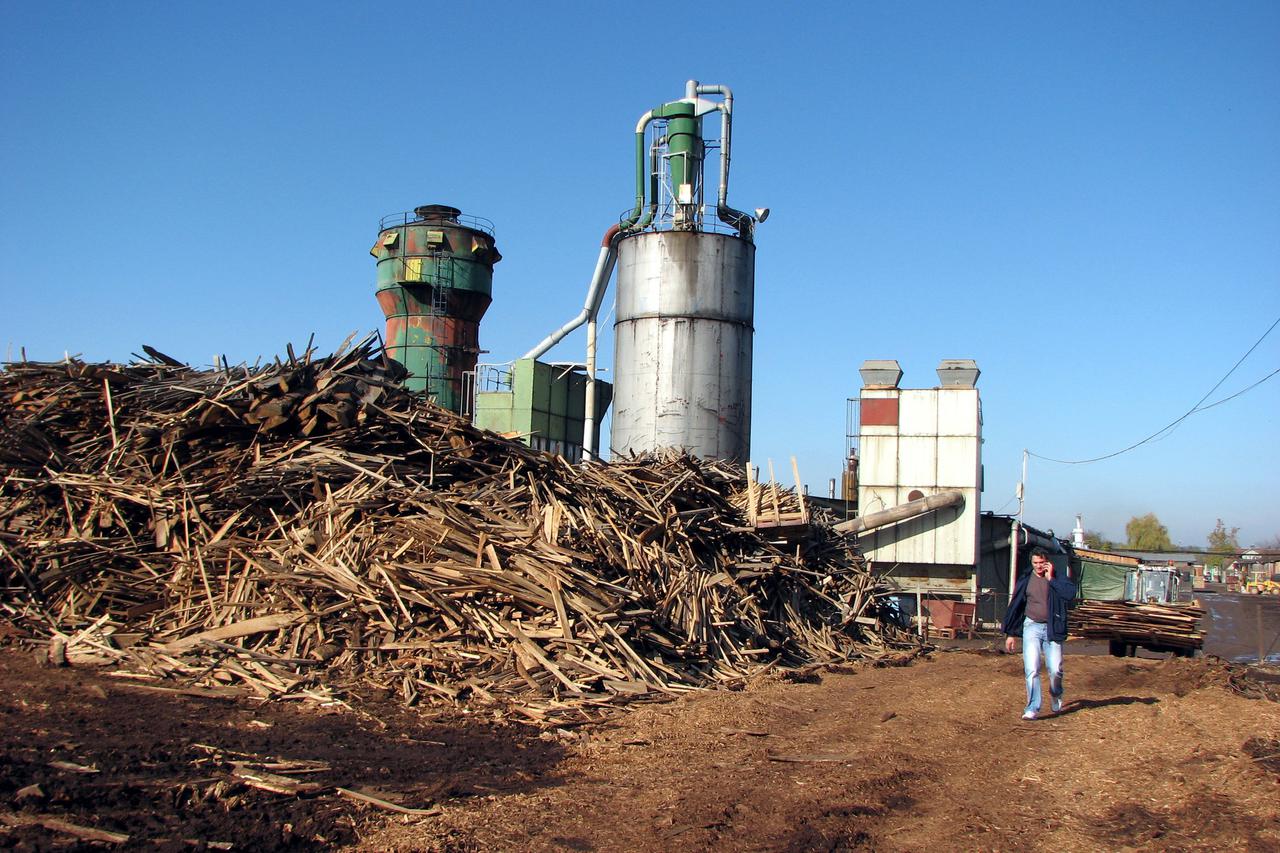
x,y
93,751
1087,704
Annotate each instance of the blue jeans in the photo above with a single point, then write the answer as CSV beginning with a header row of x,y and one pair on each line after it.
x,y
1035,646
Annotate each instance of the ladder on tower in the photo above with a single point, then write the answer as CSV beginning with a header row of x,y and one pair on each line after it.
x,y
440,280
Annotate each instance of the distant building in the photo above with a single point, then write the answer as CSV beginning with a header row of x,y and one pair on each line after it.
x,y
1257,565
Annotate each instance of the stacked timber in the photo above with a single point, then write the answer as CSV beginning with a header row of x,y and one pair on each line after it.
x,y
1174,626
309,527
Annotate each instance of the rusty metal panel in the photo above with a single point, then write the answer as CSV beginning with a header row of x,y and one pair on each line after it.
x,y
879,412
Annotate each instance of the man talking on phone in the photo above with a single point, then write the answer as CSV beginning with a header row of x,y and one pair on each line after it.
x,y
1038,613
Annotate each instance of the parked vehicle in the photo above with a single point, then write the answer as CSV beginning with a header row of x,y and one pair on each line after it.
x,y
1269,586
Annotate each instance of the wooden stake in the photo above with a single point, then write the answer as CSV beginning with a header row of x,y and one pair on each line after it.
x,y
111,415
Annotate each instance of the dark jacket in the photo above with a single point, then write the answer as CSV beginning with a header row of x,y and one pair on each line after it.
x,y
1061,593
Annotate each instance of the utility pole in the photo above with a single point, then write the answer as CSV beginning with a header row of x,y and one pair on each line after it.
x,y
1015,529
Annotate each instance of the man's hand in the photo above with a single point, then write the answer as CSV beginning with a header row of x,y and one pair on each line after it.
x,y
1009,644
1048,573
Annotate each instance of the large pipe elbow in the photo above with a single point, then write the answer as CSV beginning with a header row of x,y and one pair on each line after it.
x,y
643,121
641,125
717,89
595,293
730,216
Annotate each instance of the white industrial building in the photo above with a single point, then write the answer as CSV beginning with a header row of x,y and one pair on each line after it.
x,y
916,443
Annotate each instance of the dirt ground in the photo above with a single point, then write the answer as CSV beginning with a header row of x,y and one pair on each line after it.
x,y
1147,754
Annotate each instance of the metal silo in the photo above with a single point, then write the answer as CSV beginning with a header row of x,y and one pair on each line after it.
x,y
682,343
435,281
686,293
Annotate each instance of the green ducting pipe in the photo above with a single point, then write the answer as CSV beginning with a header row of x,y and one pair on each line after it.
x,y
631,220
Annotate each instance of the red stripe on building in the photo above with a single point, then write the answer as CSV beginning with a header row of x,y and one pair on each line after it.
x,y
880,411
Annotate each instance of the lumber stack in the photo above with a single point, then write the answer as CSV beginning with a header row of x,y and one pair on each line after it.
x,y
307,527
1170,625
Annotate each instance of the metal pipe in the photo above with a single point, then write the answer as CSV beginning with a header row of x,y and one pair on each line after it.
x,y
728,215
653,184
589,417
595,293
1024,539
640,128
590,310
1027,538
901,512
1013,559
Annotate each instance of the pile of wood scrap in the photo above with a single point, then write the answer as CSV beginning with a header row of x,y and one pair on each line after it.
x,y
768,505
1175,626
309,526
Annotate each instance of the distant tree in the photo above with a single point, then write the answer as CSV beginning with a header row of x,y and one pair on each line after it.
x,y
1146,533
1223,540
1095,541
1272,544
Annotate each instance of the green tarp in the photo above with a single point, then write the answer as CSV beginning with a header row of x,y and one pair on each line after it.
x,y
1102,581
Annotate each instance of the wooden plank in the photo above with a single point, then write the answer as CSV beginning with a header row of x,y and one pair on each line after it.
x,y
370,799
66,827
245,628
533,649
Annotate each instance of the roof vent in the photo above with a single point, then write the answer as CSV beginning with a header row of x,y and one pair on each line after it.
x,y
880,373
958,372
437,213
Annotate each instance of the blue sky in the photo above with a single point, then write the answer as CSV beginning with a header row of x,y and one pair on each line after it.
x,y
1083,197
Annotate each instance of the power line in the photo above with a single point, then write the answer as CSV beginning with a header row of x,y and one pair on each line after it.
x,y
1125,549
1185,415
1006,504
1241,391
